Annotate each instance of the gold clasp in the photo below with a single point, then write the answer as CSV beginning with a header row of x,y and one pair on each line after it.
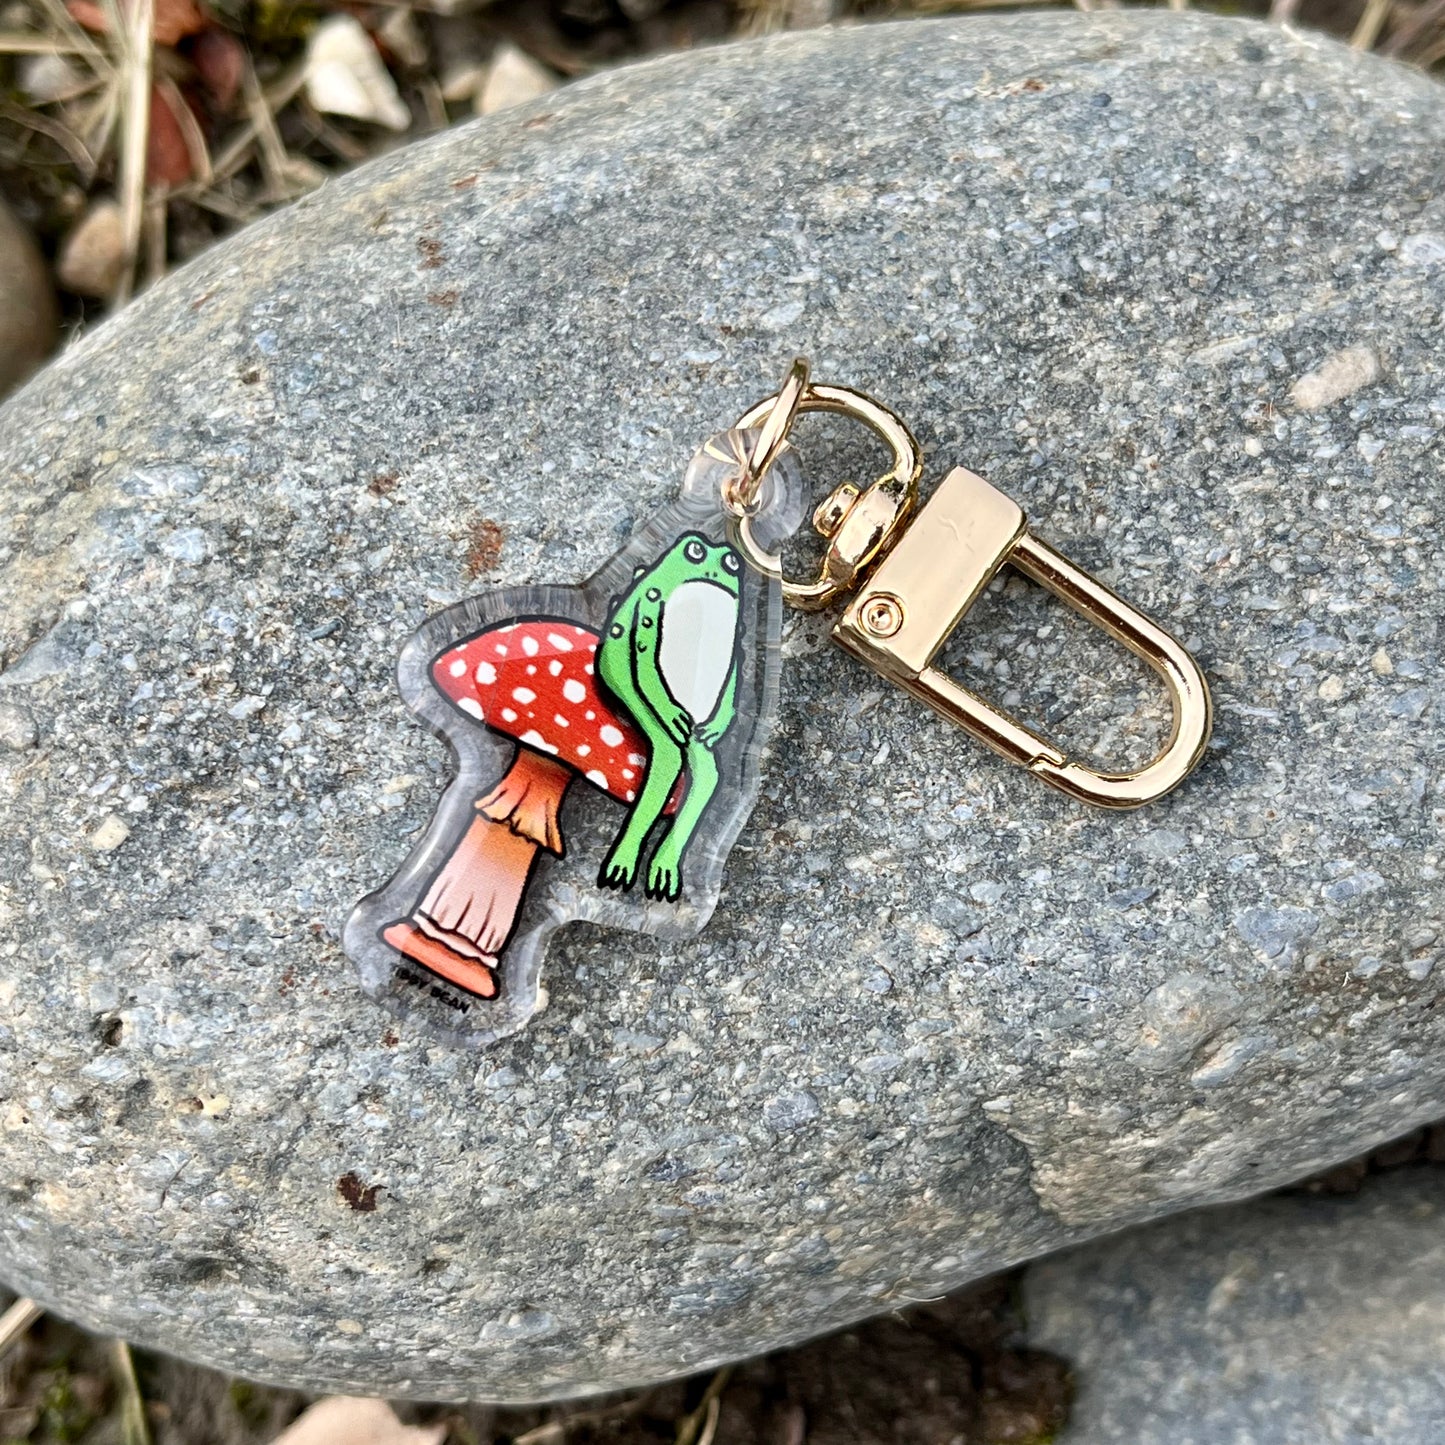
x,y
920,572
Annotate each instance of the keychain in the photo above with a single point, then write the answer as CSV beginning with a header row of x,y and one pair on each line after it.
x,y
608,736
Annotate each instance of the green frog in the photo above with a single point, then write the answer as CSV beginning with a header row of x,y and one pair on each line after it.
x,y
670,654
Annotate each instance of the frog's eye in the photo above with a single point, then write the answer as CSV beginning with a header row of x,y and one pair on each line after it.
x,y
730,561
694,551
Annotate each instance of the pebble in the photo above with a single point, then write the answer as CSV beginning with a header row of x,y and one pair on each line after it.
x,y
29,320
345,75
92,256
512,77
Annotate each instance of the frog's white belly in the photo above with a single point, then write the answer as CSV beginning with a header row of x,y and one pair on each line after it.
x,y
695,651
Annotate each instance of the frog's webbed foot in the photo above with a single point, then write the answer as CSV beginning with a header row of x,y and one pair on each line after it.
x,y
710,733
664,876
619,870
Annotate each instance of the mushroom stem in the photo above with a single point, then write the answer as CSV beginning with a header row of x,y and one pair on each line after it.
x,y
467,915
529,799
472,903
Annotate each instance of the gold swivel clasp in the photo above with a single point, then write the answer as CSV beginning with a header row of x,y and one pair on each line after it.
x,y
917,571
858,525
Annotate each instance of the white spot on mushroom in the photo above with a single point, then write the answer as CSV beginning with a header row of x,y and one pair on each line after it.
x,y
599,778
560,720
523,695
501,649
583,749
580,631
531,669
589,715
630,795
534,739
636,759
555,668
529,645
486,674
508,715
559,642
588,669
573,690
458,667
610,735
471,707
628,774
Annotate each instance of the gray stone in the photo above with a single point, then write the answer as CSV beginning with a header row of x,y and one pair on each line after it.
x,y
17,728
1292,1320
1086,255
28,316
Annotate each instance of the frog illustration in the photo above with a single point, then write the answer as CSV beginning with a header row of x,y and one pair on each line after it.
x,y
670,656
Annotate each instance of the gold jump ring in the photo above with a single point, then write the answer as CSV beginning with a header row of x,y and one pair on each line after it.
x,y
742,494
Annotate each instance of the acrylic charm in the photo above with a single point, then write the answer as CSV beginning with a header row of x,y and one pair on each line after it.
x,y
607,738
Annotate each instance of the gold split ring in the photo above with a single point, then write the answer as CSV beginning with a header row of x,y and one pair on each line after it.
x,y
742,494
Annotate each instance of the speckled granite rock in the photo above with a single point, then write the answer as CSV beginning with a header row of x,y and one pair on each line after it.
x,y
944,1019
1288,1321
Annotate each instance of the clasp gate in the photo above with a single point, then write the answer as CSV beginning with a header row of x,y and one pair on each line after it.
x,y
917,571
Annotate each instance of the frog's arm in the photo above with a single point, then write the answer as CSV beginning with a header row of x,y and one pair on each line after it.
x,y
670,714
614,666
710,733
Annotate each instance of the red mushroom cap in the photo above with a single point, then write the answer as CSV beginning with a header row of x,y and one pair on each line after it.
x,y
535,680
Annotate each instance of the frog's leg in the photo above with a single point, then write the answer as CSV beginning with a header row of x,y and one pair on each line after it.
x,y
614,667
663,767
632,675
664,872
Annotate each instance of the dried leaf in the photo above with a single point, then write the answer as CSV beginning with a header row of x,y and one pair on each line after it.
x,y
345,76
168,155
174,19
344,1420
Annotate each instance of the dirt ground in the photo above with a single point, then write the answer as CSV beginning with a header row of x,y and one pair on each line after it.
x,y
950,1373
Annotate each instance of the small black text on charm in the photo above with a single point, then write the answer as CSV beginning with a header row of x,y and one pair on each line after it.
x,y
442,995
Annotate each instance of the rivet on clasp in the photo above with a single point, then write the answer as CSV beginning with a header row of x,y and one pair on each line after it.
x,y
917,572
